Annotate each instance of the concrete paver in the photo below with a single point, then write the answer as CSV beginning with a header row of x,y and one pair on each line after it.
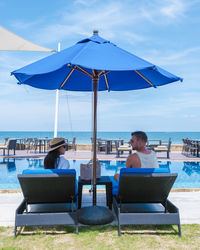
x,y
187,202
76,155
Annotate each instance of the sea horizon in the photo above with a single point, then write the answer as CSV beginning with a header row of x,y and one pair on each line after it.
x,y
84,137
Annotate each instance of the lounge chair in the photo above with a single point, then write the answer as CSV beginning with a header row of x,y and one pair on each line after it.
x,y
50,198
72,144
120,149
10,144
102,146
164,147
140,198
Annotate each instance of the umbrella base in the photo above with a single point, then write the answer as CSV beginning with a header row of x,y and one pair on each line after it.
x,y
95,215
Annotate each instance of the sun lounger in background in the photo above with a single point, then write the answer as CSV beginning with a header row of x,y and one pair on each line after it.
x,y
120,149
140,198
72,144
164,147
50,198
10,144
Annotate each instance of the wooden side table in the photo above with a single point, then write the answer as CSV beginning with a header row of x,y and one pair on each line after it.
x,y
104,180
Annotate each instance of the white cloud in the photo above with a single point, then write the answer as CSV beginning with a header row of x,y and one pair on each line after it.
x,y
111,18
169,57
114,20
22,25
84,2
173,8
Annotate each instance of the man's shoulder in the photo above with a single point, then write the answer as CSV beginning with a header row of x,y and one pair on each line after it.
x,y
133,156
133,160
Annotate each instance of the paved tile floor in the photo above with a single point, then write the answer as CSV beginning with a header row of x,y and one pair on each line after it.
x,y
187,202
101,156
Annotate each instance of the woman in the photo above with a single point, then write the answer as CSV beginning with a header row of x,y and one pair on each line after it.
x,y
55,157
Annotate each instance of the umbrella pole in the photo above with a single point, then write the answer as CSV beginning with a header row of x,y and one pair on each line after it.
x,y
95,82
95,215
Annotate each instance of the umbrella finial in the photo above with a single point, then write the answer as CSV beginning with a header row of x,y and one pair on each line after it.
x,y
95,32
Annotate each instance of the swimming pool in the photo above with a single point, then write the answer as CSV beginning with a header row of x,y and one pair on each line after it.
x,y
188,172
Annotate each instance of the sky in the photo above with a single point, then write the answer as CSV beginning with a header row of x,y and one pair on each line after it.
x,y
165,33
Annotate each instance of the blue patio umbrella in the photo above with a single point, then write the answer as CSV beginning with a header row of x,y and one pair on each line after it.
x,y
110,68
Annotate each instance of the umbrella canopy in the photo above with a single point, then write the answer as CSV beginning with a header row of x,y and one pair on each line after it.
x,y
120,70
110,68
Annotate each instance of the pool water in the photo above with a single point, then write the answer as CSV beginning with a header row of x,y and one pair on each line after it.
x,y
188,172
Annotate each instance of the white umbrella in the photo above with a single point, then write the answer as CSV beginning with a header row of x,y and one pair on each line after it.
x,y
11,41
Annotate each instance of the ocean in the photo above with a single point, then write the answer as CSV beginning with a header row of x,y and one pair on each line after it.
x,y
85,137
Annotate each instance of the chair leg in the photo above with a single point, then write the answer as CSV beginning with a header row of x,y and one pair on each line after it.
x,y
179,230
117,213
77,228
76,218
118,221
15,231
119,228
167,154
76,222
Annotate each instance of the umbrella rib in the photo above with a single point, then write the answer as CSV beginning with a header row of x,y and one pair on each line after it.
x,y
67,77
106,80
71,71
145,78
83,71
103,73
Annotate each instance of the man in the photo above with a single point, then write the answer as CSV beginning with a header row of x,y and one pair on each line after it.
x,y
142,158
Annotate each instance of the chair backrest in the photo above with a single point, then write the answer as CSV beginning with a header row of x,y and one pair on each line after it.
x,y
145,187
100,143
116,144
29,140
6,140
12,143
74,142
52,186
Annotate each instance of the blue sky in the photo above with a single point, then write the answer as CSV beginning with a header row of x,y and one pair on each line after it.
x,y
166,33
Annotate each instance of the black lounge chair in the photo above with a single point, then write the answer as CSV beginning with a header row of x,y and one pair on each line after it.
x,y
50,198
141,198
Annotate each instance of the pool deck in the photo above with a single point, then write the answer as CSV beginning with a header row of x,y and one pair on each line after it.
x,y
188,201
84,155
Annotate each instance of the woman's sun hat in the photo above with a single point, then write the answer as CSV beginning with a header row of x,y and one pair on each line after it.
x,y
56,143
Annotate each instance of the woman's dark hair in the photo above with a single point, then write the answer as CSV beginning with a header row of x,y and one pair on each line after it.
x,y
140,135
50,159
